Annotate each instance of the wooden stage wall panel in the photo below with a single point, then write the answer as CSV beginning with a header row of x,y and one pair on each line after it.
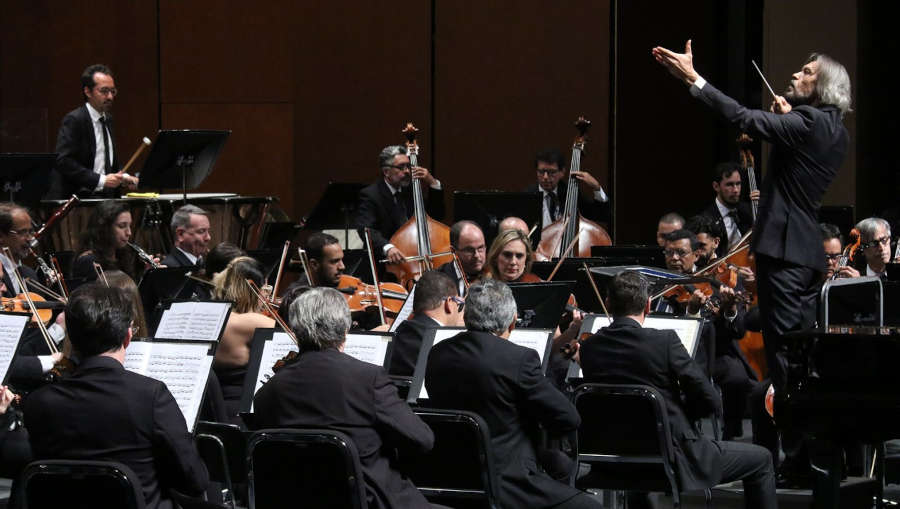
x,y
511,78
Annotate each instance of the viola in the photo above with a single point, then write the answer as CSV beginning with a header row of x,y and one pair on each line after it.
x,y
572,227
361,296
285,361
19,304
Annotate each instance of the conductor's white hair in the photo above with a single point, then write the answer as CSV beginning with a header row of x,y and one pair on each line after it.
x,y
320,319
490,307
832,83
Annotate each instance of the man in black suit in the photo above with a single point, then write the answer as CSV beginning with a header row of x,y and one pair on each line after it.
x,y
435,304
106,413
467,243
326,388
87,162
190,228
593,203
16,231
735,216
387,204
481,371
627,353
809,145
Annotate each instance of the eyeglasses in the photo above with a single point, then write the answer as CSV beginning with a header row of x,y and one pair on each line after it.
x,y
400,166
470,251
832,257
677,252
107,91
884,241
24,232
134,329
551,173
459,302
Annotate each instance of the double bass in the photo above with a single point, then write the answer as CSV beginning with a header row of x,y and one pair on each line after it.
x,y
572,227
428,239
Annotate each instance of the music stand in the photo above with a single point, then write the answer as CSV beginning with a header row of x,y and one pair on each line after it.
x,y
488,208
540,305
26,177
181,158
164,284
335,209
651,256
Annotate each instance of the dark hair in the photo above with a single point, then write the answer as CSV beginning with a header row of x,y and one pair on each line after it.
x,y
98,318
87,77
550,156
724,170
219,257
830,231
316,243
99,238
288,297
707,225
431,290
628,292
7,209
457,228
684,234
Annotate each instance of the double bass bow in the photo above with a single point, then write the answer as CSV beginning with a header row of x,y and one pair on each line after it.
x,y
427,238
572,226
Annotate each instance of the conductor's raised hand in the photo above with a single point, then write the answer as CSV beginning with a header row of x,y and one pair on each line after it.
x,y
780,105
680,65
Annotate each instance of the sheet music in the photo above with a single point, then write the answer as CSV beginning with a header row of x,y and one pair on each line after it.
x,y
11,327
367,347
273,350
200,321
405,311
686,329
440,334
536,339
183,367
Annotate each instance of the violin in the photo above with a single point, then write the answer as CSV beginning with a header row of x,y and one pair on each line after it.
x,y
361,296
19,304
572,227
422,235
853,243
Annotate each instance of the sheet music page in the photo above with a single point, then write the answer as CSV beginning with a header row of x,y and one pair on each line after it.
x,y
405,311
536,339
11,327
136,356
367,348
201,321
184,368
273,350
439,335
686,329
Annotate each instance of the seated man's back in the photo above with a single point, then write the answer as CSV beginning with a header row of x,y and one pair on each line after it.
x,y
104,412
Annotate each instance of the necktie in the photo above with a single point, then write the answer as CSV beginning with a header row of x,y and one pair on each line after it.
x,y
400,206
552,206
107,163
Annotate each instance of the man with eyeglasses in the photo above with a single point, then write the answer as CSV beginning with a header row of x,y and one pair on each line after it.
x,y
16,231
467,242
875,242
551,168
387,204
87,162
833,243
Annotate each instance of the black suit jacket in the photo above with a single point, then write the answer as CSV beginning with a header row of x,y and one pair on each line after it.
x,y
626,353
103,412
407,343
502,382
177,259
76,148
588,207
744,220
330,389
809,145
377,211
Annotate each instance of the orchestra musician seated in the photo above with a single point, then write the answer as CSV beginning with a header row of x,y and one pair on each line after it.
x,y
735,215
326,260
436,303
105,241
551,170
667,224
875,242
513,223
628,353
104,412
510,258
16,232
467,243
326,388
481,371
833,242
190,229
220,256
709,234
387,204
233,352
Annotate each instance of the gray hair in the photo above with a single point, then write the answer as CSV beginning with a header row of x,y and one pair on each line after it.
x,y
490,307
832,82
182,217
320,318
386,157
868,228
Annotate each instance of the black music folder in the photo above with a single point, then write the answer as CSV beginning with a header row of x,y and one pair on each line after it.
x,y
540,305
181,159
25,178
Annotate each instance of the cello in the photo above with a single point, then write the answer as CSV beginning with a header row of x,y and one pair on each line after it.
x,y
572,226
422,235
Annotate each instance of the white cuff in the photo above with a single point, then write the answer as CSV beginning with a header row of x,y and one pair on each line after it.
x,y
388,247
692,315
100,183
699,82
600,195
46,363
437,185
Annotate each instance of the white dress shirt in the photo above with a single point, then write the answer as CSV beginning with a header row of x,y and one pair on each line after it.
x,y
100,154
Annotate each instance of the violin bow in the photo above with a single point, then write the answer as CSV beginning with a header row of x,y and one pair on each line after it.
x,y
34,311
275,316
590,277
375,276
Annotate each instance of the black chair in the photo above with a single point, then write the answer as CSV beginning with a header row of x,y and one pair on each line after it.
x,y
212,452
459,470
625,437
234,441
304,468
73,484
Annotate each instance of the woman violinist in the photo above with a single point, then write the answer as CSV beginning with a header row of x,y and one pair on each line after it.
x,y
510,258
